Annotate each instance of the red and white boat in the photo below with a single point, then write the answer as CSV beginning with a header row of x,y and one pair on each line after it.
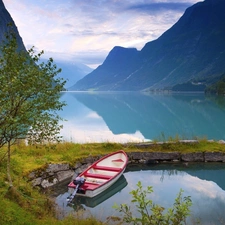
x,y
99,176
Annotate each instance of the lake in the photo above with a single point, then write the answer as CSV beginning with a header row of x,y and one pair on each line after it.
x,y
138,117
204,182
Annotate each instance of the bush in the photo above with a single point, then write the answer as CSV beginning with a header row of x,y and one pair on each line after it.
x,y
152,214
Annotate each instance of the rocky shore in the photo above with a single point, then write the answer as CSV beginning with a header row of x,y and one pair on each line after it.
x,y
55,173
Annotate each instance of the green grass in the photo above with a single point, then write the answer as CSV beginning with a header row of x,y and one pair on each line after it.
x,y
23,203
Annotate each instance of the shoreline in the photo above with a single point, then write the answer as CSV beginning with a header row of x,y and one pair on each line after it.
x,y
56,173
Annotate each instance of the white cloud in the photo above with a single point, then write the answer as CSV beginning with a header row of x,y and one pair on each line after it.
x,y
82,29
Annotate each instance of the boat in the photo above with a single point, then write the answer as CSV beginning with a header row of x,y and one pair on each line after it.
x,y
99,176
118,186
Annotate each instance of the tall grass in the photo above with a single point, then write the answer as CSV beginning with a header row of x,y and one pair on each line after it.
x,y
23,203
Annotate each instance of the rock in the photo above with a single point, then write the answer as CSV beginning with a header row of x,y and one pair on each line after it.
x,y
192,157
36,181
77,165
161,156
46,183
135,155
214,157
32,175
53,168
62,175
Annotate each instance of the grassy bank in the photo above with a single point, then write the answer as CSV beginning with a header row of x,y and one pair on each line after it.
x,y
23,204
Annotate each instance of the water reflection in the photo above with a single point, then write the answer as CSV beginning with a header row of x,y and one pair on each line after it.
x,y
93,202
131,116
203,182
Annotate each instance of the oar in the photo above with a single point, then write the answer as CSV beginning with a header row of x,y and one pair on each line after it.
x,y
79,181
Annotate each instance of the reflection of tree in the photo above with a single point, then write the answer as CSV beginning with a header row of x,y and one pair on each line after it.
x,y
169,173
218,100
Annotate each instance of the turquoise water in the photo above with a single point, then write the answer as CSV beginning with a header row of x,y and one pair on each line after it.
x,y
135,117
204,182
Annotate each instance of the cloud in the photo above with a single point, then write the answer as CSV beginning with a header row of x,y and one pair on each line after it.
x,y
157,7
87,30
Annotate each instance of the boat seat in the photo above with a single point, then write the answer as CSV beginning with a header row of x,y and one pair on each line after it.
x,y
117,160
90,186
108,168
95,175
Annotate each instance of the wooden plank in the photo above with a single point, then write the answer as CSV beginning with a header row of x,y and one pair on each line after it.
x,y
108,168
117,160
95,175
90,186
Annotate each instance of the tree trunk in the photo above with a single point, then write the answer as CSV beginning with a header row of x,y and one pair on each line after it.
x,y
8,165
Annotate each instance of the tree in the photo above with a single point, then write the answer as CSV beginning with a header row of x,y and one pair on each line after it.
x,y
29,97
151,213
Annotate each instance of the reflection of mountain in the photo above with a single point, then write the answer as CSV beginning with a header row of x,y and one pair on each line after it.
x,y
169,115
214,172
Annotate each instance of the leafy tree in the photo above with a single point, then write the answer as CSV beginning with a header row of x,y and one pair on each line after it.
x,y
153,214
29,97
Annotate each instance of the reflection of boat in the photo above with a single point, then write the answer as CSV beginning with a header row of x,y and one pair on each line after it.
x,y
99,176
92,202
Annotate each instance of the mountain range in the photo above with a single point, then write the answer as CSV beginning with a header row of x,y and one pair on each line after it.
x,y
188,56
71,71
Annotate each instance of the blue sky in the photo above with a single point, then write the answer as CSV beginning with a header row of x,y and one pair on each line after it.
x,y
86,30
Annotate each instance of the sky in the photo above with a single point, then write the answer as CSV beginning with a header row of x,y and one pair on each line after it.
x,y
85,31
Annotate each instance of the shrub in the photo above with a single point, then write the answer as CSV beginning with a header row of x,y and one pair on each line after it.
x,y
153,214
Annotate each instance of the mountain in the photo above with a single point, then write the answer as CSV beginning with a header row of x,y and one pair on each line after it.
x,y
190,53
117,66
5,20
71,71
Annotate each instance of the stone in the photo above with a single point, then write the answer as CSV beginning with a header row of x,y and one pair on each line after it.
x,y
161,156
32,175
214,157
136,155
63,175
192,157
52,168
46,183
36,181
77,165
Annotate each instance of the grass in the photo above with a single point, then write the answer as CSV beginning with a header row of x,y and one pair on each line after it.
x,y
23,203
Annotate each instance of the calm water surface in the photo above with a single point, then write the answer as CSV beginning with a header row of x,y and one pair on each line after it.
x,y
135,117
204,182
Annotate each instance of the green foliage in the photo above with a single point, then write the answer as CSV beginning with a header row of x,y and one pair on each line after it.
x,y
151,213
29,94
217,87
29,97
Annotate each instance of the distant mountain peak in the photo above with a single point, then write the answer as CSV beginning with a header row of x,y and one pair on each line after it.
x,y
191,51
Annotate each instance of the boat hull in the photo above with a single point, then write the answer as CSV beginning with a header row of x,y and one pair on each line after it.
x,y
101,174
